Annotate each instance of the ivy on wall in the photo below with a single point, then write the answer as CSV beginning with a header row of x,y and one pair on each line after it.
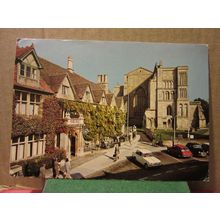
x,y
49,123
100,121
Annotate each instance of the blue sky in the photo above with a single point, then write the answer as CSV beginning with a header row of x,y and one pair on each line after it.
x,y
91,58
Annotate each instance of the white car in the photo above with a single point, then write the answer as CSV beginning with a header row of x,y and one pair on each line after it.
x,y
146,158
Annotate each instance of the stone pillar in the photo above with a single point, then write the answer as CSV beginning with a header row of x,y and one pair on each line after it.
x,y
79,143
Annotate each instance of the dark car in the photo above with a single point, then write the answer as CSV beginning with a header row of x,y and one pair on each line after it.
x,y
196,149
205,147
180,151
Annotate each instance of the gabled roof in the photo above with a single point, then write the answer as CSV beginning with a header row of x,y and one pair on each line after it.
x,y
81,89
138,69
98,95
109,98
77,79
54,75
23,52
56,81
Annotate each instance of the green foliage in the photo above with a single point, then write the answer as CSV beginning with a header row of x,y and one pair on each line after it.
x,y
100,121
50,122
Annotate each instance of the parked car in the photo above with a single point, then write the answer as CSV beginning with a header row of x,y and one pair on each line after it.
x,y
146,158
205,147
196,149
180,151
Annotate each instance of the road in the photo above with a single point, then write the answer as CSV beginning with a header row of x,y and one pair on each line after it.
x,y
102,166
172,169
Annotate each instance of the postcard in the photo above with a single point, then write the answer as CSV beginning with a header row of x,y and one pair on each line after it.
x,y
110,110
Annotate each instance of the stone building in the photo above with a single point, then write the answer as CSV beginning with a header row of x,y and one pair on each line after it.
x,y
36,78
159,99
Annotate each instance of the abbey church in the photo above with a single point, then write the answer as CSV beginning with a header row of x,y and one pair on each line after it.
x,y
159,99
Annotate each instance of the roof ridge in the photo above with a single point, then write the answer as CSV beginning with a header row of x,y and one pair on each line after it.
x,y
48,61
140,67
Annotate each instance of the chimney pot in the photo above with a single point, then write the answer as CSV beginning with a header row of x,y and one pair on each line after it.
x,y
70,64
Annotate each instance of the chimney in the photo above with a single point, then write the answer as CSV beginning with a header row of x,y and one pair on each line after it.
x,y
70,64
103,81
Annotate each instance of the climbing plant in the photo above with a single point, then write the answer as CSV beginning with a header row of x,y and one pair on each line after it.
x,y
100,121
50,123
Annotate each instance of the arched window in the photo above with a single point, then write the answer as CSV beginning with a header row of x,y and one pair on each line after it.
x,y
181,110
169,110
140,101
167,97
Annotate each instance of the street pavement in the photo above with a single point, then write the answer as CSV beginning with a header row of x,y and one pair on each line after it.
x,y
100,163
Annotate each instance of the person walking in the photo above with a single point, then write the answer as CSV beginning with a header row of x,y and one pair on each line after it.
x,y
116,153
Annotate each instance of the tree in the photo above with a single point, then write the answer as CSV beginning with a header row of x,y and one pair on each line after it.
x,y
205,108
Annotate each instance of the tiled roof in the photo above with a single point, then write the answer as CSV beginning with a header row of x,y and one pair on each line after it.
x,y
54,75
97,95
20,51
80,89
50,69
78,82
109,98
56,81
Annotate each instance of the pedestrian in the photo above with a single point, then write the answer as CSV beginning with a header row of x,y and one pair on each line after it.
x,y
67,169
134,131
116,153
43,171
130,137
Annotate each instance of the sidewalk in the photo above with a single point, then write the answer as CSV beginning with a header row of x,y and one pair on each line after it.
x,y
85,166
102,162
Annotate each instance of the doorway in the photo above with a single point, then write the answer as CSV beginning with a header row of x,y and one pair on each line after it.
x,y
73,145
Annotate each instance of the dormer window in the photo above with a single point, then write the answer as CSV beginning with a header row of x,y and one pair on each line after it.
x,y
28,71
